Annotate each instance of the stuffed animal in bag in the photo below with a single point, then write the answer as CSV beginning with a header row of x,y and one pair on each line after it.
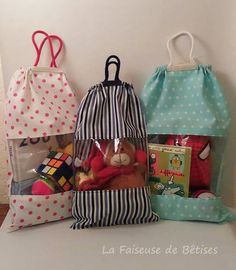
x,y
114,165
200,172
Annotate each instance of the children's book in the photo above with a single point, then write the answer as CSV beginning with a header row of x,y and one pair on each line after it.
x,y
169,172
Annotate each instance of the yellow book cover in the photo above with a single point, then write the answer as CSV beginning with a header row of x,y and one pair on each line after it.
x,y
169,169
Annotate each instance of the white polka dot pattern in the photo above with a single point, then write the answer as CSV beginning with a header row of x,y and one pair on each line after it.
x,y
188,102
181,208
185,102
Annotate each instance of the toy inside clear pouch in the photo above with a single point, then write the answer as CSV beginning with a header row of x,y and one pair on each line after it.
x,y
42,165
185,165
110,164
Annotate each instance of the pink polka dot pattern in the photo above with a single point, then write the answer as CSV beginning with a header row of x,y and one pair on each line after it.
x,y
39,103
30,210
46,99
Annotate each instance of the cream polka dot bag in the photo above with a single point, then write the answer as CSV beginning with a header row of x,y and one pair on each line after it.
x,y
40,119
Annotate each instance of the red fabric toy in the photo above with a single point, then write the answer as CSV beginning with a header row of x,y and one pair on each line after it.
x,y
200,172
115,164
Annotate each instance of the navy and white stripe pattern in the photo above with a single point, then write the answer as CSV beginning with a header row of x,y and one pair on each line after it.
x,y
99,208
110,112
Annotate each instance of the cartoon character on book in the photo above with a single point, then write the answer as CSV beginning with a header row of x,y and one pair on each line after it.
x,y
176,162
170,188
169,169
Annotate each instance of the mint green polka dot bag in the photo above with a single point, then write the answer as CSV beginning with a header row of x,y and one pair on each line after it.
x,y
185,109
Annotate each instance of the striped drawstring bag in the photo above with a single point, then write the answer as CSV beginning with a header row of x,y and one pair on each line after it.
x,y
110,157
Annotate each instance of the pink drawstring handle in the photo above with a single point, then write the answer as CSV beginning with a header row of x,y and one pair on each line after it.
x,y
39,48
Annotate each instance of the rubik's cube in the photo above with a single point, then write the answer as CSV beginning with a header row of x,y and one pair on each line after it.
x,y
58,167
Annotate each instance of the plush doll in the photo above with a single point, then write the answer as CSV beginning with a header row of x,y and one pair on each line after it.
x,y
82,177
200,172
114,165
203,194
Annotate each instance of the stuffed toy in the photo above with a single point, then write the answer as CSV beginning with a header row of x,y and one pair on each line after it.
x,y
203,194
200,172
82,176
113,165
43,186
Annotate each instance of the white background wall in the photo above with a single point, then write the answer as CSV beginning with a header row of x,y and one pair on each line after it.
x,y
135,30
3,150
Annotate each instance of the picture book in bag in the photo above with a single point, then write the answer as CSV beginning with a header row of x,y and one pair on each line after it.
x,y
169,172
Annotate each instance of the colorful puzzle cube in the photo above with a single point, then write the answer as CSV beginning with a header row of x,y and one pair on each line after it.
x,y
58,167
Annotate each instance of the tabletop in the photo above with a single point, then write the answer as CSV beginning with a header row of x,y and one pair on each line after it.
x,y
167,244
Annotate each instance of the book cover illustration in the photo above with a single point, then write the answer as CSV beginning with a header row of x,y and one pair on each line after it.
x,y
169,169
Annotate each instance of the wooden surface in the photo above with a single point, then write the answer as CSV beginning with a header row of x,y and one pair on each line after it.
x,y
3,212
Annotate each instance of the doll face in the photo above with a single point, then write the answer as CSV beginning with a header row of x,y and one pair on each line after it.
x,y
121,159
119,153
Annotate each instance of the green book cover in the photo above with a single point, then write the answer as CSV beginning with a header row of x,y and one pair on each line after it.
x,y
169,171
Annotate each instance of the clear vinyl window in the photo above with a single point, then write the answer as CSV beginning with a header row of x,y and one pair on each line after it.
x,y
41,166
185,165
110,164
